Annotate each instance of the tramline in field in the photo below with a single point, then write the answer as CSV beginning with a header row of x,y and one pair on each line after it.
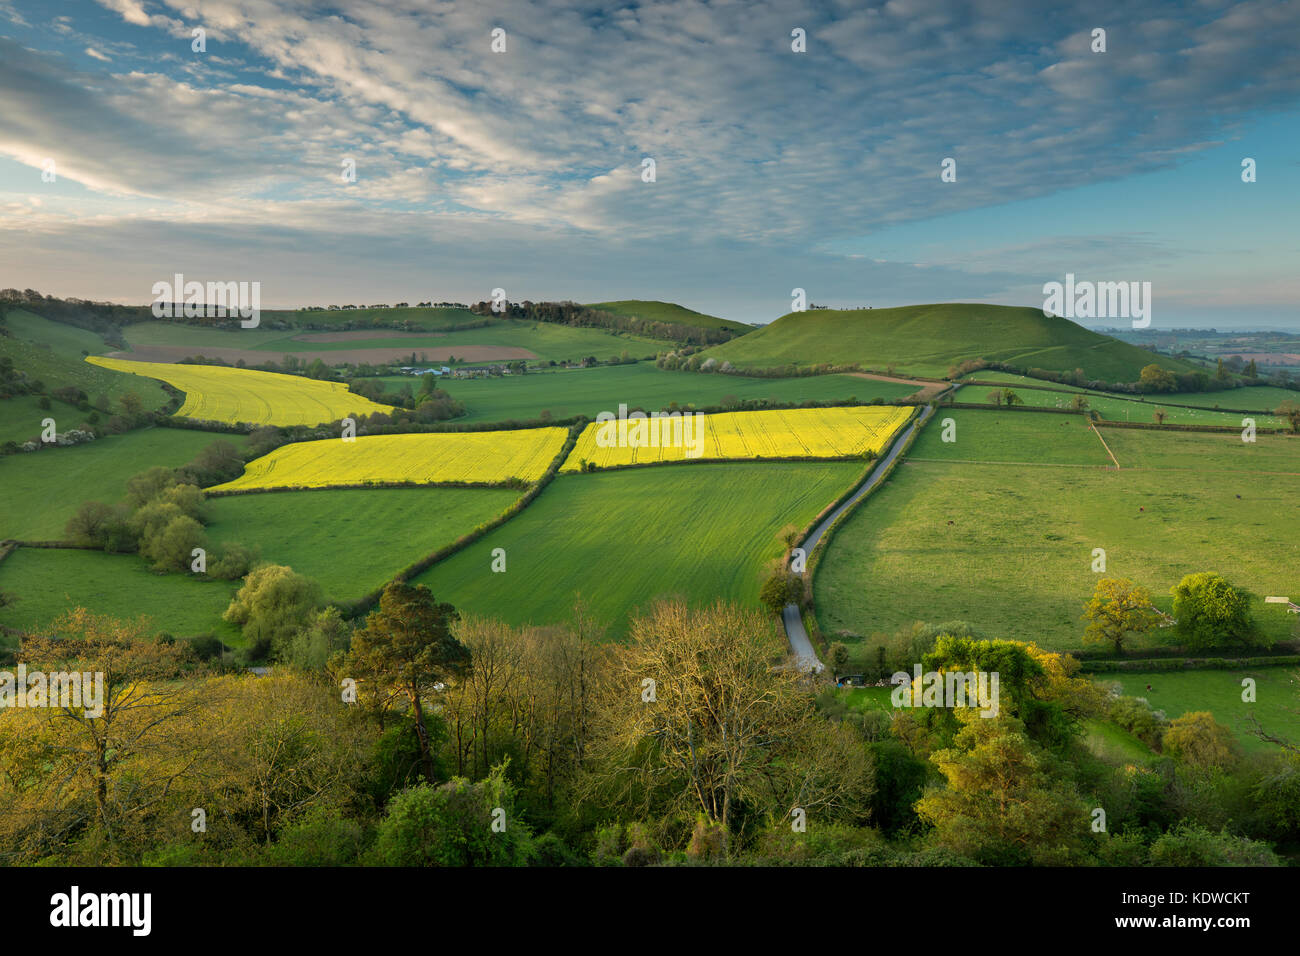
x,y
437,458
772,433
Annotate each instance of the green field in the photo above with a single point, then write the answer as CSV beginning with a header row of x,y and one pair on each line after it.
x,y
431,319
1277,699
1114,744
42,489
352,540
1028,504
621,539
548,341
54,353
21,417
1117,409
590,391
49,582
1262,398
928,339
653,311
1029,438
1007,378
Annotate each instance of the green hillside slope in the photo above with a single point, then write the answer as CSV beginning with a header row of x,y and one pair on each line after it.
x,y
654,311
929,339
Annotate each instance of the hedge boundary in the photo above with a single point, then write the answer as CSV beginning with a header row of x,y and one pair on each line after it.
x,y
366,602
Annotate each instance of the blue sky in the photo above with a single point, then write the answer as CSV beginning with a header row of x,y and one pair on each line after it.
x,y
774,169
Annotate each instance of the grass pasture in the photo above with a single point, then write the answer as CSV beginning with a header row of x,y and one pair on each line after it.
x,y
621,539
990,536
500,339
353,540
668,312
1113,408
219,394
41,490
569,392
54,353
1277,699
435,457
1026,438
49,582
929,339
773,433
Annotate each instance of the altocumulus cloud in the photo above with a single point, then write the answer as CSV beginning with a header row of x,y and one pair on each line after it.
x,y
763,155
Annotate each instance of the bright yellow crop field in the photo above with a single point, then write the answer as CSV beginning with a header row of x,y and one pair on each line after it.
x,y
774,433
219,394
466,457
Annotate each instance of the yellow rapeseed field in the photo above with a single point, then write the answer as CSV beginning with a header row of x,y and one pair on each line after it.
x,y
437,457
219,394
775,433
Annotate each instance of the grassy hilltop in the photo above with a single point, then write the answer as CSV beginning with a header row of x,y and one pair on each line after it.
x,y
655,311
928,339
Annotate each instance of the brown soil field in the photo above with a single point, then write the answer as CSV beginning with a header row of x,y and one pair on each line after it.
x,y
467,353
361,334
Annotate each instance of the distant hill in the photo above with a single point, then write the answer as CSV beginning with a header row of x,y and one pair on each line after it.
x,y
929,339
425,318
669,312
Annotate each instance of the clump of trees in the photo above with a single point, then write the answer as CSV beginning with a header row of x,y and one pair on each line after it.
x,y
163,516
435,739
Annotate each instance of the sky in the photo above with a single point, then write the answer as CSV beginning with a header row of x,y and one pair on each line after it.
x,y
773,169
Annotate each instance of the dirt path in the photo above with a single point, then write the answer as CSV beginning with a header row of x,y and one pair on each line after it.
x,y
925,391
1105,446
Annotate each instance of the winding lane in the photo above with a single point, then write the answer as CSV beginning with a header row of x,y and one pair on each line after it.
x,y
800,644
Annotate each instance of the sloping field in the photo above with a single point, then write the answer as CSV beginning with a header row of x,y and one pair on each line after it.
x,y
40,491
1219,692
356,354
214,393
589,391
450,457
53,352
775,433
928,339
1118,409
49,582
497,340
1002,532
1263,398
353,540
671,312
621,539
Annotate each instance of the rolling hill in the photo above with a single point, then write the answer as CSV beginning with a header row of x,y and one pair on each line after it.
x,y
654,311
928,339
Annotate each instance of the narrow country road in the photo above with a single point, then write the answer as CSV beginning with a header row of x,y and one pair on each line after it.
x,y
800,643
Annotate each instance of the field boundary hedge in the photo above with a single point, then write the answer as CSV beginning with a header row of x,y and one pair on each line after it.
x,y
369,484
364,603
1185,427
718,461
808,611
849,491
981,406
1187,663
